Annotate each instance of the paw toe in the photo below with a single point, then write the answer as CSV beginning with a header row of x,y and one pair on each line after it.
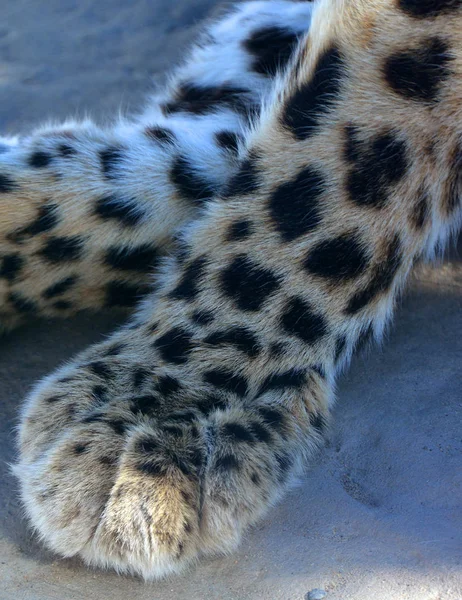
x,y
104,484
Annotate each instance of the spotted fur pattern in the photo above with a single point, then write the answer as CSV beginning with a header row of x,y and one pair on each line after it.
x,y
168,440
88,212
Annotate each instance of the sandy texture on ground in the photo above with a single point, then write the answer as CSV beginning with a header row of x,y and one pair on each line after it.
x,y
379,515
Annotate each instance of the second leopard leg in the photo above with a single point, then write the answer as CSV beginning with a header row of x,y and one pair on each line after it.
x,y
86,213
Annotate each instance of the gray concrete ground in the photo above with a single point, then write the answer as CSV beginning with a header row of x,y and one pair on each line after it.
x,y
379,515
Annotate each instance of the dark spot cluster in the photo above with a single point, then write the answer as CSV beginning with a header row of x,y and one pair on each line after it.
x,y
202,317
313,100
182,249
418,74
247,283
153,327
340,346
239,337
106,460
175,346
382,278
159,457
294,378
62,249
354,145
111,158
141,258
126,211
21,303
227,381
246,179
81,448
60,287
118,426
255,478
188,286
115,349
173,430
421,211
273,418
54,399
260,432
46,220
153,469
101,369
211,403
100,393
318,422
272,48
190,182
11,266
423,9
285,463
299,319
66,151
123,294
200,100
147,445
168,385
295,206
376,166
140,376
146,404
237,432
227,463
39,159
62,305
7,184
160,134
338,259
277,349
228,140
239,230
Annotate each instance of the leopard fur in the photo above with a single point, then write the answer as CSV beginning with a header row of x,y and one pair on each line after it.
x,y
280,190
